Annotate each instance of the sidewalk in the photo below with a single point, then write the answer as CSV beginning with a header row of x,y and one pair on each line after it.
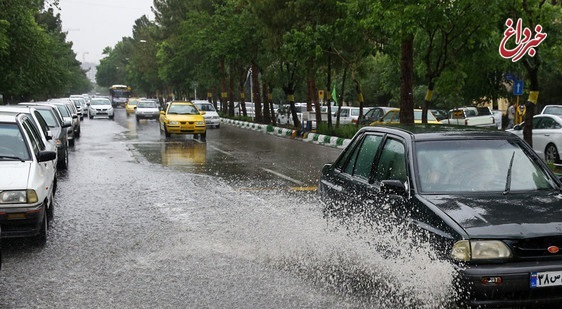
x,y
320,139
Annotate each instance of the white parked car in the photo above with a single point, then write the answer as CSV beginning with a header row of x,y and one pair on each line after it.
x,y
27,179
547,136
552,109
100,107
348,114
147,109
211,116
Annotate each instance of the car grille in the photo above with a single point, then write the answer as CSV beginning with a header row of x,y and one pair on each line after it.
x,y
536,248
187,122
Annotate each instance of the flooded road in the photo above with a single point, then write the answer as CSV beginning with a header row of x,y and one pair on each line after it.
x,y
147,222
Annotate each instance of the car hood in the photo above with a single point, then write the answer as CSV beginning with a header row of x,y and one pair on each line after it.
x,y
19,175
100,106
514,215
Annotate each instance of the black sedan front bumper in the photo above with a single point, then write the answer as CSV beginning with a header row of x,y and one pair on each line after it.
x,y
508,285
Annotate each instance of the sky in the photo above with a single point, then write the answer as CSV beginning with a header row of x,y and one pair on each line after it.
x,y
93,25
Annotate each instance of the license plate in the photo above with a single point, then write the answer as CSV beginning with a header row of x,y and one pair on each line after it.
x,y
545,279
16,216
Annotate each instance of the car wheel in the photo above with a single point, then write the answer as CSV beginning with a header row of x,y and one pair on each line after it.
x,y
551,154
166,133
71,142
90,116
138,119
111,117
203,137
41,238
63,163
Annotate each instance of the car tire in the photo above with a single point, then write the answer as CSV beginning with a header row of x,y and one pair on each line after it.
x,y
551,154
166,133
41,238
138,119
90,116
111,117
203,137
71,142
63,164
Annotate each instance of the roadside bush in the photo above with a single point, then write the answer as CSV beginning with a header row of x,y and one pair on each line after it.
x,y
344,131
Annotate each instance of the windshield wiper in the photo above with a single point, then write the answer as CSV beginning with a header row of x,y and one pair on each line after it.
x,y
12,157
508,180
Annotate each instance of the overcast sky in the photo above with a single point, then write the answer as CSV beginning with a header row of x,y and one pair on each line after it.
x,y
93,25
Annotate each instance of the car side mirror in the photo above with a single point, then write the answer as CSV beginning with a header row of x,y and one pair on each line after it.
x,y
202,113
393,187
44,156
66,124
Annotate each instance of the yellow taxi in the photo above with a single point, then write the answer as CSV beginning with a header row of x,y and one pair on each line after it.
x,y
182,118
393,116
131,105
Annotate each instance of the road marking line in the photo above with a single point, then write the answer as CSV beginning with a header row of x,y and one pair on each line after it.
x,y
300,183
221,151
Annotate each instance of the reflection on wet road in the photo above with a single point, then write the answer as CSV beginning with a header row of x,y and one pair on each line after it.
x,y
142,221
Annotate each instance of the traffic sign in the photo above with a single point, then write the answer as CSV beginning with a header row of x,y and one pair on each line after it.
x,y
518,87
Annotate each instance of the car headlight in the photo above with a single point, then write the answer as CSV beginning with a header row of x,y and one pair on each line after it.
x,y
18,197
174,123
200,123
467,250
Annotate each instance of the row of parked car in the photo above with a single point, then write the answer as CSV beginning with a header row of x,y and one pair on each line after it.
x,y
34,143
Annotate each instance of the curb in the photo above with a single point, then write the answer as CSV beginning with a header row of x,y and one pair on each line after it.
x,y
320,139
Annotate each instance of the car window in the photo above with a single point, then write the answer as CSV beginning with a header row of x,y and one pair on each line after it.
x,y
49,118
478,166
363,162
554,110
546,123
345,156
42,122
12,143
63,110
391,116
34,137
392,162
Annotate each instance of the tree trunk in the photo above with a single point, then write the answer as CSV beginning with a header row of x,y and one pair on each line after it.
x,y
256,93
224,93
428,96
407,79
266,107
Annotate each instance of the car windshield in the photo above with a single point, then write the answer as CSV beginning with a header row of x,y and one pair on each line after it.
x,y
183,109
478,166
146,104
99,102
205,107
12,144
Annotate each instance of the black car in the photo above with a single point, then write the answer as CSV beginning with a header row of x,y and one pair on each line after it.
x,y
487,203
374,114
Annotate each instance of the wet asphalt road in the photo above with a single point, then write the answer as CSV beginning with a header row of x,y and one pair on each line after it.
x,y
147,222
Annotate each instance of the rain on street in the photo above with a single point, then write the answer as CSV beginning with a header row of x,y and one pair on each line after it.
x,y
142,221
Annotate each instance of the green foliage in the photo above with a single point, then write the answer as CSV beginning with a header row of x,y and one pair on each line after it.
x,y
37,62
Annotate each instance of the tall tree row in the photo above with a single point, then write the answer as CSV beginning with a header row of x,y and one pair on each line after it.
x,y
402,53
37,61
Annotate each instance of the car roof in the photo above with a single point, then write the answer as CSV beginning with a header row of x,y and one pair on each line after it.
x,y
438,131
7,117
